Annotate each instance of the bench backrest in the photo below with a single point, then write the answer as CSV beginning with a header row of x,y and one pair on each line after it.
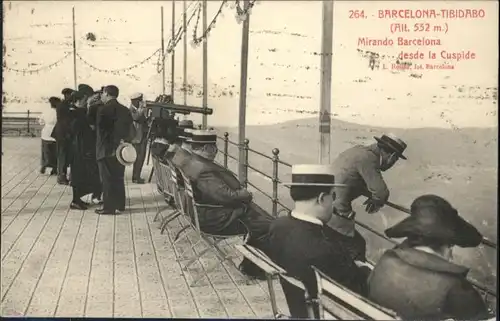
x,y
190,201
344,304
177,192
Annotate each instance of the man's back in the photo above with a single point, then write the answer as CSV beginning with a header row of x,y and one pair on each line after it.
x,y
113,125
359,168
296,245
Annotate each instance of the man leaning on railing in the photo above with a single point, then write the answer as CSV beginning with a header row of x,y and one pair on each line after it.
x,y
360,168
216,185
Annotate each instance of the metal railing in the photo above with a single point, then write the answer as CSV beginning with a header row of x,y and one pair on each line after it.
x,y
277,183
21,122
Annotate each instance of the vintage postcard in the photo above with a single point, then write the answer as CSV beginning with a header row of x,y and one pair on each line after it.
x,y
250,159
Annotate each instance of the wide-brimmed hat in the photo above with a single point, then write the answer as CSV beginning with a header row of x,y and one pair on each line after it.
x,y
203,137
394,143
313,175
126,154
433,218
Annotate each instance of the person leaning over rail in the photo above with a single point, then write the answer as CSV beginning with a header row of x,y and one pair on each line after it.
x,y
361,167
216,185
303,239
424,284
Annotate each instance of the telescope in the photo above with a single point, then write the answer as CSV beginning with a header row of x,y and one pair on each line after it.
x,y
162,109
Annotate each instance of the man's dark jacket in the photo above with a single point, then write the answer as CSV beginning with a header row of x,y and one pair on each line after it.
x,y
423,286
296,245
216,185
112,125
62,128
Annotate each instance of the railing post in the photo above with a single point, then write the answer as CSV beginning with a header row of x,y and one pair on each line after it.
x,y
28,122
244,179
275,181
226,147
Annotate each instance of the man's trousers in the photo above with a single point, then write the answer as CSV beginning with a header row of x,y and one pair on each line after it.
x,y
63,156
113,183
141,149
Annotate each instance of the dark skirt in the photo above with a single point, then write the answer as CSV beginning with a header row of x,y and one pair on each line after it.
x,y
49,154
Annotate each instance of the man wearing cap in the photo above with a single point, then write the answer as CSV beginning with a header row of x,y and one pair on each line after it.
x,y
216,185
424,283
140,141
61,133
113,127
180,151
303,239
360,168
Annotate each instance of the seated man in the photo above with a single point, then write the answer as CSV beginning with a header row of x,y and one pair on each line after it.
x,y
216,185
179,147
164,132
424,284
304,239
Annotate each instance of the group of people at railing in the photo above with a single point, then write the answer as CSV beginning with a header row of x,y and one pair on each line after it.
x,y
417,278
90,133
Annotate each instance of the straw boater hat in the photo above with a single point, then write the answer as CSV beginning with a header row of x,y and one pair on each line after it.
x,y
432,217
136,96
186,123
203,137
313,175
126,154
186,134
393,143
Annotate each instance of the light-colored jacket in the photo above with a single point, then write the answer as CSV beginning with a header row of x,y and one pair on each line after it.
x,y
48,120
140,123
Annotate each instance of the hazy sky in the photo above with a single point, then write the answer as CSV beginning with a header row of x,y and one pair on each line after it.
x,y
283,67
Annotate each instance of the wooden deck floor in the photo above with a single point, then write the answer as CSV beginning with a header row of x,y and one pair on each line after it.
x,y
61,262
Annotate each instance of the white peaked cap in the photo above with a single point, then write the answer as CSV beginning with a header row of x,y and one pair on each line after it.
x,y
136,95
189,130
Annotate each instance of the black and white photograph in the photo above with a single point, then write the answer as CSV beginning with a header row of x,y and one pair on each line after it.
x,y
250,159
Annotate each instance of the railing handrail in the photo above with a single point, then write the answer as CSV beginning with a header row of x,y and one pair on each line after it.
x,y
276,200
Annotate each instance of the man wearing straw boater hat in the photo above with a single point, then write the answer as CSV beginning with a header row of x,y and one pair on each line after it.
x,y
216,185
303,239
418,279
360,168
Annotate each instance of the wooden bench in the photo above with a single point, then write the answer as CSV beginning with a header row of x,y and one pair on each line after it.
x,y
343,304
30,126
273,270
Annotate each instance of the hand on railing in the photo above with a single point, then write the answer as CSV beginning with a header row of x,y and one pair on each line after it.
x,y
373,205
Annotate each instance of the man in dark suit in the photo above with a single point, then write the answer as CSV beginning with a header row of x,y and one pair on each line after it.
x,y
61,133
180,151
112,127
216,185
303,239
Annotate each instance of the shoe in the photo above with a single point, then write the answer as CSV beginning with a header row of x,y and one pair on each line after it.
x,y
138,181
53,172
102,211
97,201
62,180
42,170
78,206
